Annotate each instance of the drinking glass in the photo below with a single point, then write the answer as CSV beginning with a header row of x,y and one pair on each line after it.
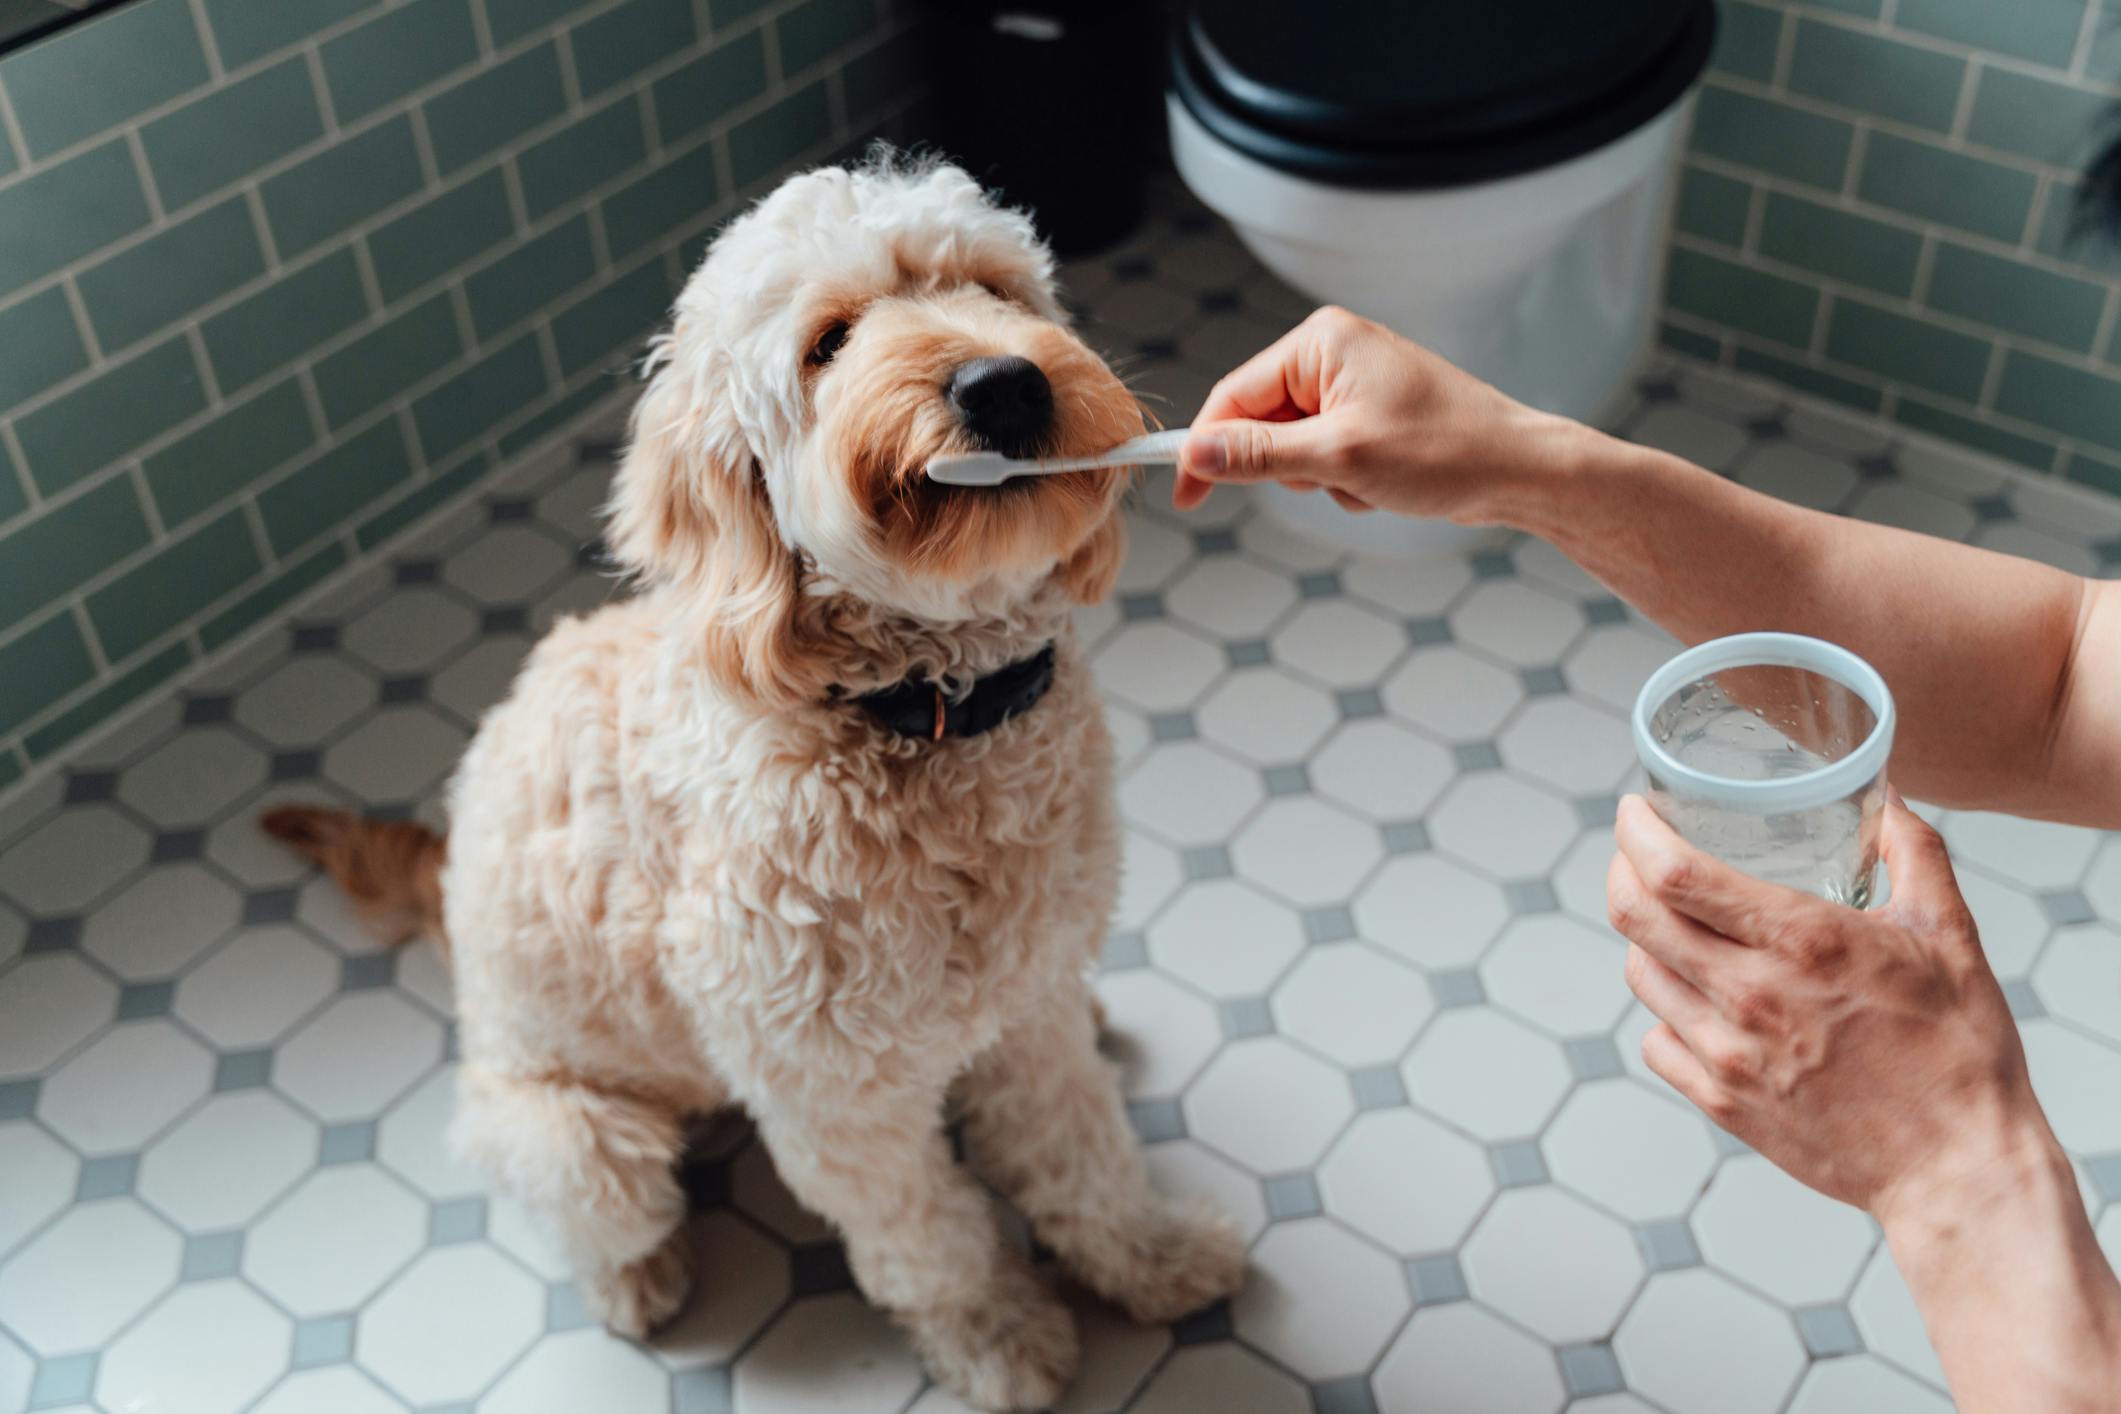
x,y
1768,751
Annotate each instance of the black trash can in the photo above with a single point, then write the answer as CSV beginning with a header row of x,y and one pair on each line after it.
x,y
1055,104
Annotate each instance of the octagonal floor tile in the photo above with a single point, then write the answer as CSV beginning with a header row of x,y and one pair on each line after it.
x,y
1612,663
412,1139
507,565
41,1174
65,864
1694,1341
2013,925
1554,1264
1798,474
1491,1076
1226,938
1221,1376
1306,851
1516,622
1182,1168
1461,1357
1161,1033
1685,432
121,1091
1504,825
398,754
357,1055
157,925
1453,694
335,1389
1149,875
48,1006
1271,539
1189,793
1574,748
257,986
2102,882
577,1370
1320,1301
1579,879
1339,643
1381,769
2038,854
2076,1079
1770,1231
410,631
1268,1105
305,700
480,676
73,1285
450,1323
1639,1154
1431,911
1230,597
2079,978
18,1370
335,1239
1351,1005
215,1345
222,1163
1154,553
194,777
1266,716
1406,1181
1414,586
755,1187
1157,667
831,1355
742,1280
250,856
1557,973
1891,1324
510,1227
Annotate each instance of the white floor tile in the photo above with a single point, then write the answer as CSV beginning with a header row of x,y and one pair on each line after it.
x,y
741,1280
125,1087
1162,1033
412,1140
338,1389
40,1180
1381,770
1503,825
2079,978
1117,1357
1701,439
156,926
2076,1079
1418,587
1516,622
1156,667
256,986
1319,1300
1339,643
220,1165
1155,552
1225,1378
190,780
1189,793
17,1371
49,1005
1492,1077
399,754
1912,508
1231,597
577,1370
1771,1232
2030,544
1184,1168
1863,1385
1406,1181
1149,875
1266,716
1279,544
1799,474
1352,1005
206,1348
1308,852
1226,938
1529,1236
755,1187
507,565
305,700
1267,1105
2012,923
2035,853
1572,747
1558,974
1694,1341
1612,663
830,1355
357,1055
411,631
449,1323
333,1242
73,1285
1459,1357
1430,911
1638,1154
1889,1321
66,864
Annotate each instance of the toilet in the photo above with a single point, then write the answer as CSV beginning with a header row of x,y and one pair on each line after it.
x,y
1488,178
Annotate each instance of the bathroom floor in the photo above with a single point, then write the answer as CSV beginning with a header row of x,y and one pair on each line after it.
x,y
1360,987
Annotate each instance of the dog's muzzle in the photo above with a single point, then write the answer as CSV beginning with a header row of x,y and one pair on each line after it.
x,y
1005,403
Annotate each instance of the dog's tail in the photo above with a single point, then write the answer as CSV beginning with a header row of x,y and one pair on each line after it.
x,y
391,869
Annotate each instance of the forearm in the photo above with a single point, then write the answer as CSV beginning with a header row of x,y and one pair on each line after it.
x,y
2019,1301
1977,646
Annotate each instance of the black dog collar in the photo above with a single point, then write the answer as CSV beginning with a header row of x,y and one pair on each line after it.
x,y
918,707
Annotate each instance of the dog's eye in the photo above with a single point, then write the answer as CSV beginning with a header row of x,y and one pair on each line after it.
x,y
828,343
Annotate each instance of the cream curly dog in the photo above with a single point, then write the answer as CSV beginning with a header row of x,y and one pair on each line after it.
x,y
709,850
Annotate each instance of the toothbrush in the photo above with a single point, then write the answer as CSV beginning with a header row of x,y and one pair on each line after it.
x,y
992,468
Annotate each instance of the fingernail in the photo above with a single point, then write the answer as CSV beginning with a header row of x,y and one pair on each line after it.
x,y
1207,455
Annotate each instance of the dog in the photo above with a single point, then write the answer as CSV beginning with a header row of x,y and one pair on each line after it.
x,y
821,822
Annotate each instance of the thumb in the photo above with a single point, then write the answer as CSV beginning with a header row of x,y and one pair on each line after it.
x,y
1255,451
1915,854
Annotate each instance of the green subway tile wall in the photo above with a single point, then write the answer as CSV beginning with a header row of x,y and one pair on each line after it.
x,y
279,278
1877,207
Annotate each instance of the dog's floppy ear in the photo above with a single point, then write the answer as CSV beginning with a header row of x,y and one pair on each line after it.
x,y
689,510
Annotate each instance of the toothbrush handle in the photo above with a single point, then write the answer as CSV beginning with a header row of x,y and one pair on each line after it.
x,y
1153,448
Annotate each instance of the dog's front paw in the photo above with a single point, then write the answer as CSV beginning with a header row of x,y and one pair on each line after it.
x,y
1182,1257
1014,1348
635,1299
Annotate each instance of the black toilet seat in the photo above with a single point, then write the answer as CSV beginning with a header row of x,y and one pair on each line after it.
x,y
1407,94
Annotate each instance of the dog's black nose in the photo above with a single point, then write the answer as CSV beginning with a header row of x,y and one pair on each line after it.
x,y
1004,402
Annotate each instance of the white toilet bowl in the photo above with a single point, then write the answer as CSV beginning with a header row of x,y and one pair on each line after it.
x,y
1525,251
